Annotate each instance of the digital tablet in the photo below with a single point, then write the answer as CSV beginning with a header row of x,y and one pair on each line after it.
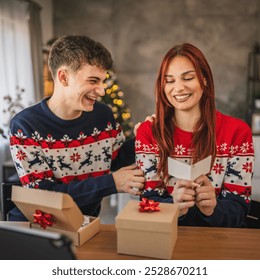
x,y
21,243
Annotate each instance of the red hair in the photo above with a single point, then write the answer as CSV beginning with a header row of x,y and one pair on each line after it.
x,y
203,138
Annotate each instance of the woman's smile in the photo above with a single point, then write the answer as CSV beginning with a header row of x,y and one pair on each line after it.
x,y
182,97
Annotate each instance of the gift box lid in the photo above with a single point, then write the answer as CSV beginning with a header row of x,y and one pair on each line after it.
x,y
159,221
66,214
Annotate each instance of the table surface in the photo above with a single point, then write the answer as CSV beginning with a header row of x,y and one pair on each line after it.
x,y
193,243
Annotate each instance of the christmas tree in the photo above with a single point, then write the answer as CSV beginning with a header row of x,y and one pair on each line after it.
x,y
114,97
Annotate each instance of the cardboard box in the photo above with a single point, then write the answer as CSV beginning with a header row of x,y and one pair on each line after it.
x,y
148,234
67,217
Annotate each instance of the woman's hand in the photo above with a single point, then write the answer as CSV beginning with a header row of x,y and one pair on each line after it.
x,y
184,195
205,196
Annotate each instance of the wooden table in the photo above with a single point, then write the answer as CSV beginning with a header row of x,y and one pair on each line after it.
x,y
193,243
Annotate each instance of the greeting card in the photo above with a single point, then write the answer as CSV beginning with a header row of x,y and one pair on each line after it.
x,y
186,171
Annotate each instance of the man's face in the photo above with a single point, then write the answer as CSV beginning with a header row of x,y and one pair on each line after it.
x,y
84,87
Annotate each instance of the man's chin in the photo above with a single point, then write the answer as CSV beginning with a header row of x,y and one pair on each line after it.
x,y
89,109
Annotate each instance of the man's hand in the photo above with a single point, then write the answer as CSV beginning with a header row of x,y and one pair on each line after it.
x,y
148,118
129,179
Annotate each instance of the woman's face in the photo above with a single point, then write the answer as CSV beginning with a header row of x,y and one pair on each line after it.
x,y
182,87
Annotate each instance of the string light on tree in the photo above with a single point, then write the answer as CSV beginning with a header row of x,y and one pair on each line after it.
x,y
114,98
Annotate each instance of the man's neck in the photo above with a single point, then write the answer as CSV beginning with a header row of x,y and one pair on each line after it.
x,y
59,107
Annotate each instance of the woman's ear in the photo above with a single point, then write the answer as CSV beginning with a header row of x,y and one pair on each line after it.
x,y
205,82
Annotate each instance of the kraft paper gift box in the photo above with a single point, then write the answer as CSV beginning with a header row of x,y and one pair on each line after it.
x,y
148,234
67,217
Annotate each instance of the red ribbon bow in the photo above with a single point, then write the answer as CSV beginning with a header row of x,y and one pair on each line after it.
x,y
147,205
43,219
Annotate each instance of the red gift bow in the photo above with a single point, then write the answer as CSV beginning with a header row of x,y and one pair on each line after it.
x,y
43,219
147,205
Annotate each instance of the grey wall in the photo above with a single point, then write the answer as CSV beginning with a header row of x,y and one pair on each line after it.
x,y
139,32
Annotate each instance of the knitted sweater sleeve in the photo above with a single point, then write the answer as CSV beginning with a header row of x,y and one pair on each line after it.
x,y
125,156
84,192
147,159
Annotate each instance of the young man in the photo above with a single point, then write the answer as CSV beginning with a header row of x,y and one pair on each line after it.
x,y
70,142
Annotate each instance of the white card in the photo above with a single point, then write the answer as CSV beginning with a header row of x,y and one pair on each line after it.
x,y
185,171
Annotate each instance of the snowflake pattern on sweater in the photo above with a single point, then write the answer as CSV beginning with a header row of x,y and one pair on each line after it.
x,y
232,169
40,154
90,155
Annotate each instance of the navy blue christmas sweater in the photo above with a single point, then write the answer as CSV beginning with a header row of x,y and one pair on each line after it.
x,y
70,156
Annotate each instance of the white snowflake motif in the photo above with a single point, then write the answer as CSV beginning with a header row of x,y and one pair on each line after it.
x,y
50,179
146,148
138,144
109,128
225,192
50,139
233,149
118,127
66,140
156,148
244,148
95,133
160,191
246,197
189,151
19,134
179,150
81,137
36,136
223,147
152,147
35,183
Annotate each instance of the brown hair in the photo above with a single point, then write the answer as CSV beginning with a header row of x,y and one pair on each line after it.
x,y
203,138
77,50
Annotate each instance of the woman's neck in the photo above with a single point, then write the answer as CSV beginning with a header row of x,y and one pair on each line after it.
x,y
186,120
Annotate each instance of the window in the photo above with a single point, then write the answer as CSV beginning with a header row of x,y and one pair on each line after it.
x,y
16,69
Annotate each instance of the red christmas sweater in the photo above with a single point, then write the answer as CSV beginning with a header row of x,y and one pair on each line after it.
x,y
231,173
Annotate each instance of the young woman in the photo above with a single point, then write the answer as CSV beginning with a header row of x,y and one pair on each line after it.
x,y
188,128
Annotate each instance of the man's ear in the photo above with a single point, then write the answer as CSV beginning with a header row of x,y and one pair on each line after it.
x,y
63,76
